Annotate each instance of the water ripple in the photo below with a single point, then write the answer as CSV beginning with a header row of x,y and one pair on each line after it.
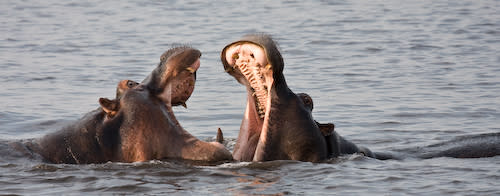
x,y
388,74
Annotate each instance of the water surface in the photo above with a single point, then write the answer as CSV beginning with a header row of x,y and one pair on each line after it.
x,y
389,74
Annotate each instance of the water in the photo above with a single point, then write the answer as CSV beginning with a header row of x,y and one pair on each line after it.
x,y
389,74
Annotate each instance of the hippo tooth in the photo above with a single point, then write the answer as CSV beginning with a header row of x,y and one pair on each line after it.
x,y
190,69
256,80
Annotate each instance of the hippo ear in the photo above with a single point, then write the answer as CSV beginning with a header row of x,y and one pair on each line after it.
x,y
109,106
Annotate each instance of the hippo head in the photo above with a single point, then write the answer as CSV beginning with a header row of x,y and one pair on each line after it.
x,y
255,62
140,122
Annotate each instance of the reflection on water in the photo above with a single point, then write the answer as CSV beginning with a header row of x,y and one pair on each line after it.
x,y
389,74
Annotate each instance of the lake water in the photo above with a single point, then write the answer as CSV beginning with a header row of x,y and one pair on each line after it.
x,y
389,74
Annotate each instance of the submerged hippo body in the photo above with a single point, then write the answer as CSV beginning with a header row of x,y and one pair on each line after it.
x,y
468,146
336,144
137,125
472,146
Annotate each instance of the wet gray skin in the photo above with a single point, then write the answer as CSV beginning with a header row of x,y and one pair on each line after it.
x,y
137,125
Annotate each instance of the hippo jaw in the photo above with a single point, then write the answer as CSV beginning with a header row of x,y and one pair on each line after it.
x,y
178,90
144,128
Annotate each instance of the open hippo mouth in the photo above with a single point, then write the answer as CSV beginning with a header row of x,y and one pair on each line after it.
x,y
255,62
276,124
174,78
249,65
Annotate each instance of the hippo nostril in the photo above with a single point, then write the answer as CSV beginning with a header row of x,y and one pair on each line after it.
x,y
141,87
252,55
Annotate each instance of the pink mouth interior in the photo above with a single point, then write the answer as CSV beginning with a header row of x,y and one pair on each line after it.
x,y
181,88
251,61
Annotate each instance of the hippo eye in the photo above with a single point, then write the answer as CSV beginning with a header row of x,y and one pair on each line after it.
x,y
131,84
236,56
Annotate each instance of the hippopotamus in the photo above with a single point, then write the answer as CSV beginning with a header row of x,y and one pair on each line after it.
x,y
137,125
278,124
